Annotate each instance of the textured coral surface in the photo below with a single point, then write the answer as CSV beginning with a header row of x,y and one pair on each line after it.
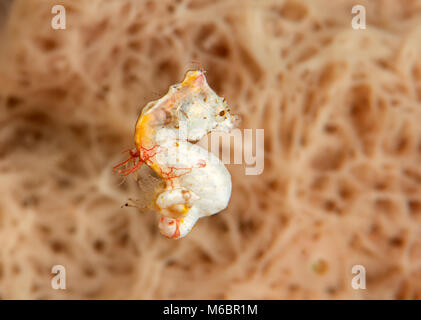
x,y
341,110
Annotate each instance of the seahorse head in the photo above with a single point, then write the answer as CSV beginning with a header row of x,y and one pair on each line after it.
x,y
191,106
200,109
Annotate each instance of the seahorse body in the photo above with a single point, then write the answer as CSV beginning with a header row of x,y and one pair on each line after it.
x,y
197,182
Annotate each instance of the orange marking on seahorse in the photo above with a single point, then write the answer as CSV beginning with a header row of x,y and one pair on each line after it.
x,y
177,229
170,175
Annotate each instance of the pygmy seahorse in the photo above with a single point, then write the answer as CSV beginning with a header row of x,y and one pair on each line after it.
x,y
197,184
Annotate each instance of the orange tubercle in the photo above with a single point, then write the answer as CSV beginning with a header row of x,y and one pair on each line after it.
x,y
177,229
201,163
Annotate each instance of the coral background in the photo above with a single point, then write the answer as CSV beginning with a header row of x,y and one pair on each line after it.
x,y
341,110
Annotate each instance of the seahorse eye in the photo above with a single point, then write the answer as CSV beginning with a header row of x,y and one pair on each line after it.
x,y
168,117
222,113
164,117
